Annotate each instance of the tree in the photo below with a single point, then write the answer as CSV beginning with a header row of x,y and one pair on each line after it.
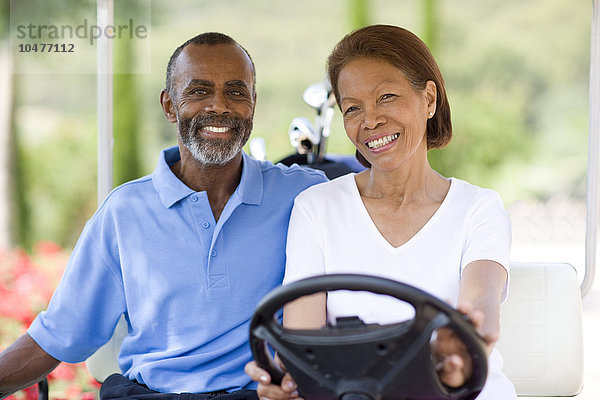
x,y
359,13
127,165
430,24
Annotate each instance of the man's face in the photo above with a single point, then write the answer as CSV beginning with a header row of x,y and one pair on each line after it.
x,y
214,99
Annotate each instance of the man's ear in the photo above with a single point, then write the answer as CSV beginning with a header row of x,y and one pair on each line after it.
x,y
167,105
254,100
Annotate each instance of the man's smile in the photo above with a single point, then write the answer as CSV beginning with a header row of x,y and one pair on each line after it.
x,y
216,129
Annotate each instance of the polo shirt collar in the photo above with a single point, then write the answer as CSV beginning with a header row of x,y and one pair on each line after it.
x,y
171,190
250,188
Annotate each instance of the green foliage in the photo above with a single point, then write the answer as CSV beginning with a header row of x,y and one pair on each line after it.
x,y
480,145
360,13
126,150
430,24
21,220
516,74
60,182
4,18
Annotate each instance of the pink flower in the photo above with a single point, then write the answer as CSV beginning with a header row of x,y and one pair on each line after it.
x,y
63,372
47,248
26,285
94,383
31,393
73,392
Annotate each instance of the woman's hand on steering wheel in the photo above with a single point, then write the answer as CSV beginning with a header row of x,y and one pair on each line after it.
x,y
452,360
270,391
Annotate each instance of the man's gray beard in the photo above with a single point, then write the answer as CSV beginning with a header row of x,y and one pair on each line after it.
x,y
214,151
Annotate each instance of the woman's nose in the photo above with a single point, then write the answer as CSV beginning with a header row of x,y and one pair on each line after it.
x,y
372,118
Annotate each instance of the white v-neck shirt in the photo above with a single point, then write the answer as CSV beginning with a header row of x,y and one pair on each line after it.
x,y
332,232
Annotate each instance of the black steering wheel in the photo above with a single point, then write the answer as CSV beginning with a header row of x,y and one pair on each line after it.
x,y
354,361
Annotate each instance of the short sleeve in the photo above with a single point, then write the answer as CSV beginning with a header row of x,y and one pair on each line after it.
x,y
85,306
304,251
488,233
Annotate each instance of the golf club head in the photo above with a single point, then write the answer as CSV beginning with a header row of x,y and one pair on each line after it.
x,y
302,136
258,148
317,94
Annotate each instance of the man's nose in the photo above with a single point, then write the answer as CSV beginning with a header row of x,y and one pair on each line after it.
x,y
217,104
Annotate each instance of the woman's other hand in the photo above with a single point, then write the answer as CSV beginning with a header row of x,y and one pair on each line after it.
x,y
452,360
270,391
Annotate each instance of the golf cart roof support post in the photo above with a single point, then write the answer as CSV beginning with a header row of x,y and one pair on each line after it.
x,y
105,17
593,172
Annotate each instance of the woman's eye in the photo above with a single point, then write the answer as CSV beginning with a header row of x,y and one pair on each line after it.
x,y
350,110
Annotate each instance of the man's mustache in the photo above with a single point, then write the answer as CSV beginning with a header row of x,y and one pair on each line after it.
x,y
207,120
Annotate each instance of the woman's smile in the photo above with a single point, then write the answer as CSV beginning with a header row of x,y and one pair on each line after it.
x,y
381,143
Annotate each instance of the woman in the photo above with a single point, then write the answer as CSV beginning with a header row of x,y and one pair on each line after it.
x,y
398,219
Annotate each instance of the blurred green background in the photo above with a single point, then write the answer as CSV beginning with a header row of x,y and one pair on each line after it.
x,y
516,73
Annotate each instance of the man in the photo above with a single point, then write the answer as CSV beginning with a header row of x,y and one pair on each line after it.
x,y
184,253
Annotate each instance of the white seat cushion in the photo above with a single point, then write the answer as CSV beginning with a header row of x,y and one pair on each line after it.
x,y
103,362
541,337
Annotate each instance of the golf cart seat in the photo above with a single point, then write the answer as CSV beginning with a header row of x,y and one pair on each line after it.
x,y
541,343
103,362
541,337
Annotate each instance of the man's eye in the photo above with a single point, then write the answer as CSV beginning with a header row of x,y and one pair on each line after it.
x,y
199,91
387,96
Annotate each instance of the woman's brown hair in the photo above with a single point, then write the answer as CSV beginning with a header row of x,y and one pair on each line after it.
x,y
408,53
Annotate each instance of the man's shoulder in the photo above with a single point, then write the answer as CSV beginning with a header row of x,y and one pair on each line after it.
x,y
132,187
125,193
118,206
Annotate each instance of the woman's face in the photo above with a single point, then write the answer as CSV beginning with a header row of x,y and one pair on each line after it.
x,y
384,116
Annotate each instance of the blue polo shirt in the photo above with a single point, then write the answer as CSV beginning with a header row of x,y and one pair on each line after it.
x,y
187,284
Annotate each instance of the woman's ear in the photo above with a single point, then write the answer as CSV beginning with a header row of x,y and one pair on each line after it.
x,y
431,96
167,105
